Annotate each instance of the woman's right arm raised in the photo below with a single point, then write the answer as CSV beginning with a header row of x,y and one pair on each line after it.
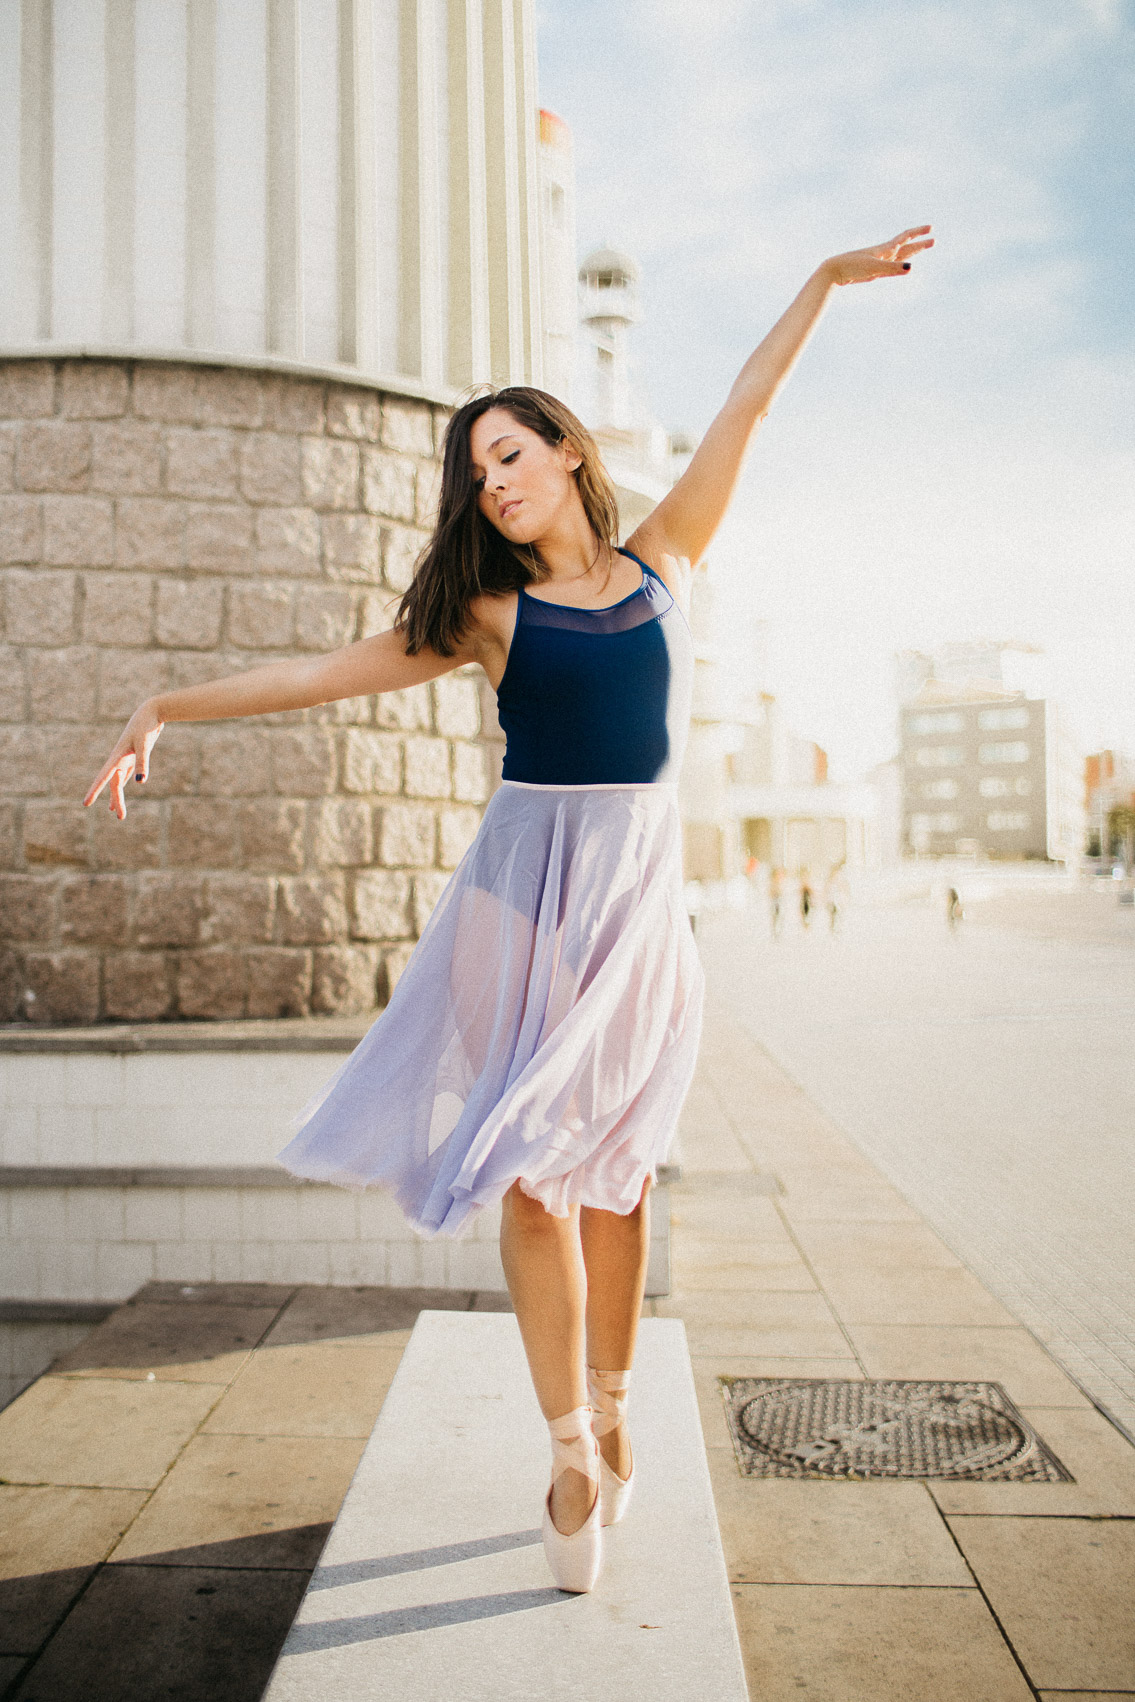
x,y
372,665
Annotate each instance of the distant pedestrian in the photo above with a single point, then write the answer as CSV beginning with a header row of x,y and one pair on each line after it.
x,y
807,901
776,901
954,911
835,894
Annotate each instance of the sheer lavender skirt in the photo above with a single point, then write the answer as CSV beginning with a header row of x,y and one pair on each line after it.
x,y
545,1029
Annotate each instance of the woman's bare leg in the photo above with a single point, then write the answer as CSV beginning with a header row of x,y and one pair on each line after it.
x,y
615,1251
543,1265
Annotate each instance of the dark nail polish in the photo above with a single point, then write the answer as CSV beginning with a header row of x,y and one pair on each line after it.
x,y
139,778
906,265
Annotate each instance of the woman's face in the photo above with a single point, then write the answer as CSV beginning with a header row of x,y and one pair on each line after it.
x,y
523,482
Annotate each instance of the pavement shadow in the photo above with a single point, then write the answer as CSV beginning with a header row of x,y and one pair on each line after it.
x,y
181,1625
420,1560
431,1616
166,1325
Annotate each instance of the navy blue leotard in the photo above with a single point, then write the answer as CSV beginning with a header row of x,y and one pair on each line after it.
x,y
593,697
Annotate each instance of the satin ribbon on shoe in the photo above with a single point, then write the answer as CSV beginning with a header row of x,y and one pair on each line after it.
x,y
608,1391
575,1559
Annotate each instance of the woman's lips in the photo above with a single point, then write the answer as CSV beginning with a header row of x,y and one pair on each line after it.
x,y
508,508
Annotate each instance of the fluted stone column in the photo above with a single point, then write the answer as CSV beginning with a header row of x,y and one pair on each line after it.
x,y
250,250
341,183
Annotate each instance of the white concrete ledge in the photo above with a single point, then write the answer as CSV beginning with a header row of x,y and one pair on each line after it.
x,y
433,1584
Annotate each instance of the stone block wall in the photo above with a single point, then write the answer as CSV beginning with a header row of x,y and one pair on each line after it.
x,y
164,524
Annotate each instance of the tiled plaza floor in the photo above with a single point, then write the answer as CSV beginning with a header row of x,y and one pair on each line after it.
x,y
883,1591
988,1073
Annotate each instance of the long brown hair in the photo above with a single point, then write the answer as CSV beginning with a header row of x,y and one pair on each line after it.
x,y
467,555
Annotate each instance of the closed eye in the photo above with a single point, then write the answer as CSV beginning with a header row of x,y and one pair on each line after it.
x,y
506,461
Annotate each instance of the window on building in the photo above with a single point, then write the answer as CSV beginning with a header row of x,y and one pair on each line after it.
x,y
942,721
1001,720
944,822
993,786
556,206
1008,821
940,789
939,756
1012,750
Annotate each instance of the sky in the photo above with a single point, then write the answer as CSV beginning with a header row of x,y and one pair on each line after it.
x,y
954,457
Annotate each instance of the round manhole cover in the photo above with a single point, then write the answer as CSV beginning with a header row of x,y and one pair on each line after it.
x,y
873,1429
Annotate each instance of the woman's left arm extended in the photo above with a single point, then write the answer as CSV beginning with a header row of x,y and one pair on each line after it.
x,y
688,516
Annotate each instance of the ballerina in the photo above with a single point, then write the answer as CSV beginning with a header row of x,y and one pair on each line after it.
x,y
539,1044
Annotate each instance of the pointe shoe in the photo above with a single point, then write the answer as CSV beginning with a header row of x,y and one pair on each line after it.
x,y
608,1391
574,1559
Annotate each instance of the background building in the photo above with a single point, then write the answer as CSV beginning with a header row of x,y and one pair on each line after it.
x,y
637,450
1109,805
249,253
751,786
987,769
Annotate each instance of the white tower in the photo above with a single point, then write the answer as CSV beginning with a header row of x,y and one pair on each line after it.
x,y
557,233
608,307
329,183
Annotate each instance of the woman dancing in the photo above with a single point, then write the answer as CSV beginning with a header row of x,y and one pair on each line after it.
x,y
538,1046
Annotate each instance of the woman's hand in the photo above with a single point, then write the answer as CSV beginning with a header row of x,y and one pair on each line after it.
x,y
886,260
131,755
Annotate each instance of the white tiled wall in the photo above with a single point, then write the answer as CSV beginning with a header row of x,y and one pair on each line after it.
x,y
151,1108
103,1243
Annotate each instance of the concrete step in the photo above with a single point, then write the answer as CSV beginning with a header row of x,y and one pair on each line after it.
x,y
433,1583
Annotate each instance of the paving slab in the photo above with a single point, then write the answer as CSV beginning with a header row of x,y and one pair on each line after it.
x,y
51,1539
10,1668
262,1501
384,1315
106,1433
1011,1357
287,1391
904,1296
185,1634
715,1217
853,1204
1063,1590
755,1265
434,1585
913,1246
195,1343
825,1644
749,1308
737,1341
785,1531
